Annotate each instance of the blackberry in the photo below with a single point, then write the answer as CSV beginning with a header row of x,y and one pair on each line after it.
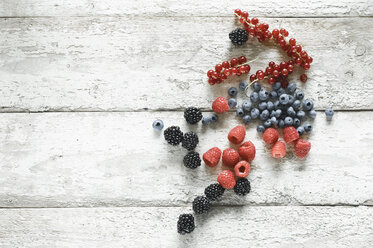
x,y
238,36
201,205
192,160
214,191
242,186
185,224
192,115
190,141
173,135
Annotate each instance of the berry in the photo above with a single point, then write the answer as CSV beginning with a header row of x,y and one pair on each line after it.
x,y
242,169
299,95
230,157
214,117
274,121
192,160
307,127
232,91
190,141
288,121
281,123
237,134
220,105
243,86
238,36
206,120
256,86
301,148
240,112
185,224
158,125
254,97
267,123
281,91
278,150
173,135
290,134
263,95
284,99
262,106
212,157
201,205
291,99
247,151
260,129
300,130
312,114
242,187
329,113
276,86
246,119
296,104
270,105
291,87
254,113
270,136
246,105
307,105
192,115
232,103
226,179
278,113
303,78
296,122
264,115
291,112
214,191
301,114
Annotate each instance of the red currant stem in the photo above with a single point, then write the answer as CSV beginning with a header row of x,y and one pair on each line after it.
x,y
237,66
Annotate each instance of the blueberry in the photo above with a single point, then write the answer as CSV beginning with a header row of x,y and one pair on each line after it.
x,y
232,91
263,95
246,119
206,120
232,103
264,115
296,104
301,114
254,97
262,105
281,123
307,127
307,104
300,130
288,121
260,129
158,125
284,99
240,112
243,86
281,91
299,95
292,87
296,122
276,104
246,105
276,86
267,123
270,105
291,99
312,114
257,86
278,113
291,112
329,113
274,121
254,113
214,118
272,94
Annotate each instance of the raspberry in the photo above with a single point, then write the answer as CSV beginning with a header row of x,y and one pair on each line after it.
x,y
185,224
242,187
278,150
220,105
190,141
226,179
270,136
230,157
242,169
214,191
237,134
212,157
247,151
201,205
302,147
290,134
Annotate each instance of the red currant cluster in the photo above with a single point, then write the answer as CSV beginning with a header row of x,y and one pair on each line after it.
x,y
236,66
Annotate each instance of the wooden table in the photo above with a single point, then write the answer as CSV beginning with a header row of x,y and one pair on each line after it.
x,y
82,81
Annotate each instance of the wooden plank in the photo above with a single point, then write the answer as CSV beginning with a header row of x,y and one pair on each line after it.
x,y
116,159
156,227
127,64
311,8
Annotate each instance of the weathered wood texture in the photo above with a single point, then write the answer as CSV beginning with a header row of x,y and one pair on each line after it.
x,y
116,159
311,8
306,227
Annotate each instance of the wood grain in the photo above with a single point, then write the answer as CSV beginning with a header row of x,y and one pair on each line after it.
x,y
116,159
306,227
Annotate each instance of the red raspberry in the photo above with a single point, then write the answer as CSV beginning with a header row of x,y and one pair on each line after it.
x,y
278,150
226,179
220,105
302,147
247,151
230,157
290,134
242,169
270,136
237,134
212,157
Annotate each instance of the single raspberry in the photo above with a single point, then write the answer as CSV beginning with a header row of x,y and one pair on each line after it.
x,y
214,191
242,169
302,147
242,187
220,105
212,157
290,134
237,134
278,150
230,157
270,136
226,179
247,151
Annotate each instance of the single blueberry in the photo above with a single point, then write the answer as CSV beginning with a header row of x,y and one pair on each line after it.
x,y
276,104
312,114
276,86
262,105
281,123
296,104
270,106
214,118
307,104
254,113
232,91
257,86
329,113
272,94
206,120
291,99
243,86
267,123
246,119
158,125
281,91
232,102
301,114
307,127
296,122
264,115
284,99
300,130
240,112
278,113
263,94
260,129
288,121
274,121
246,105
291,87
299,95
291,112
254,97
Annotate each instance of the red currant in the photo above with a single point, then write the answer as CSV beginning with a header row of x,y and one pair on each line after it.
x,y
306,66
244,14
275,32
209,73
265,27
309,59
242,69
290,68
298,61
218,68
237,11
234,62
303,78
269,70
276,67
275,73
271,80
252,77
303,54
292,42
285,72
226,72
247,68
283,65
271,64
284,32
254,20
225,64
242,59
215,75
211,81
234,71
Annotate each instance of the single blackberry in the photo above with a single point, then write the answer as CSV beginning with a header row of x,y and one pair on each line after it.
x,y
173,135
192,160
192,115
214,191
201,205
238,36
190,141
185,224
242,186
